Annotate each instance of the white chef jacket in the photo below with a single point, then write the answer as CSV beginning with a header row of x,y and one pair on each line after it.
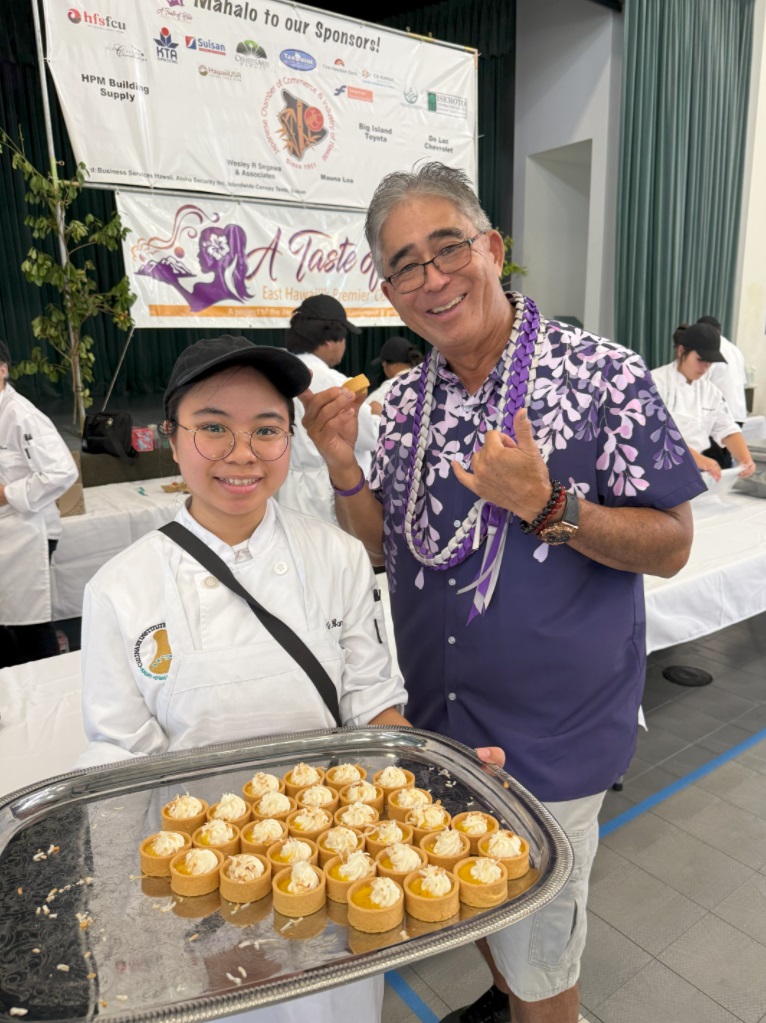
x,y
380,392
698,408
36,467
172,659
730,378
307,488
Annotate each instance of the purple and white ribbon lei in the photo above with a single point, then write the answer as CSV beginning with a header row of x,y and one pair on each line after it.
x,y
485,521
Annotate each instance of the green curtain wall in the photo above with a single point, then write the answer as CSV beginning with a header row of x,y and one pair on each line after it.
x,y
488,25
685,93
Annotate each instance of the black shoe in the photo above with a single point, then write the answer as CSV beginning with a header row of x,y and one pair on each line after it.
x,y
491,1007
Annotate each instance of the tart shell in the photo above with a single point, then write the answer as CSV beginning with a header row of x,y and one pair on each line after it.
x,y
245,891
188,825
429,909
373,921
260,848
516,866
448,862
159,866
374,846
195,884
397,875
493,825
326,854
229,848
295,904
337,890
481,896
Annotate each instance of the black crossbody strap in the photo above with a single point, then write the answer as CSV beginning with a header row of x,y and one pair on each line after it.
x,y
281,632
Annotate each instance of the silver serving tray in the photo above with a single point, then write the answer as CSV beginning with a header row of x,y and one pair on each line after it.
x,y
148,954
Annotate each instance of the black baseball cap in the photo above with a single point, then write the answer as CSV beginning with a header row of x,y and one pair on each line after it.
x,y
286,372
395,349
705,339
711,320
5,354
325,307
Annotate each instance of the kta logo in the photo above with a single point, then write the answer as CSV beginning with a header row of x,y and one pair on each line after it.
x,y
301,125
298,60
340,90
166,48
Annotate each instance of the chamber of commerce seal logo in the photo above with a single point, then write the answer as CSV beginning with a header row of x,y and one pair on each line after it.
x,y
304,122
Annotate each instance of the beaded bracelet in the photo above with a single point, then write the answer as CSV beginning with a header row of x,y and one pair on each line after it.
x,y
560,502
534,525
354,490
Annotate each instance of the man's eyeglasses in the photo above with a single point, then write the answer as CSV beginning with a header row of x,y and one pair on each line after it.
x,y
215,441
449,261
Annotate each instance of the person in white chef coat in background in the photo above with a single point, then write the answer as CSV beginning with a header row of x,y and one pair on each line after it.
x,y
173,659
317,335
397,356
36,467
697,406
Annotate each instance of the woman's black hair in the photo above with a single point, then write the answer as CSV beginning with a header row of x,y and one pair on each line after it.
x,y
306,335
170,425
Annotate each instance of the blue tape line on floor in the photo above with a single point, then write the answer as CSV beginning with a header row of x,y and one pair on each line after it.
x,y
410,999
416,1003
679,786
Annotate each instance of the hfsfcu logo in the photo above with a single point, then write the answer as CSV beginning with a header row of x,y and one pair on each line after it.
x,y
298,60
95,20
205,45
167,50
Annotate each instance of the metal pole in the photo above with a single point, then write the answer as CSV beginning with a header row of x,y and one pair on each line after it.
x,y
63,254
119,365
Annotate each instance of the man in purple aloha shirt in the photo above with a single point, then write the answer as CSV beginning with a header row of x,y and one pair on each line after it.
x,y
525,477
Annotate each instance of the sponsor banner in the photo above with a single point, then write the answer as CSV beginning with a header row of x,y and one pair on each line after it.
x,y
256,98
226,263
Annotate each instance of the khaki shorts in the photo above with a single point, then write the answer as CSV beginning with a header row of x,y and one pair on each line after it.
x,y
539,957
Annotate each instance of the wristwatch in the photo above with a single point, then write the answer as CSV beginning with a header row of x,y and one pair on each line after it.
x,y
563,530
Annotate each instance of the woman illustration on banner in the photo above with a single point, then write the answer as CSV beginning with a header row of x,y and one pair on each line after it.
x,y
223,253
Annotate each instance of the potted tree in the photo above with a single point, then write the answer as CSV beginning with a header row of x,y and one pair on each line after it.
x,y
66,348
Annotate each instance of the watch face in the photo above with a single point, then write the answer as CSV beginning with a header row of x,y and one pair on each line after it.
x,y
558,533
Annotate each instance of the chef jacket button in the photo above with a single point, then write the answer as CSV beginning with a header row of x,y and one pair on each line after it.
x,y
211,582
280,568
457,523
453,582
451,640
452,696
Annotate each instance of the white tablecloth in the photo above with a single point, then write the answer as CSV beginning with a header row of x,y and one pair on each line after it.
x,y
41,731
116,515
724,580
754,429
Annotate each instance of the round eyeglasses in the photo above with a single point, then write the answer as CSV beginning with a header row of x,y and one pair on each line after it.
x,y
215,441
448,261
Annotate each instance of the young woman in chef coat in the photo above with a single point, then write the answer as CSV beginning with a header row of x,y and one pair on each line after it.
x,y
697,406
173,659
